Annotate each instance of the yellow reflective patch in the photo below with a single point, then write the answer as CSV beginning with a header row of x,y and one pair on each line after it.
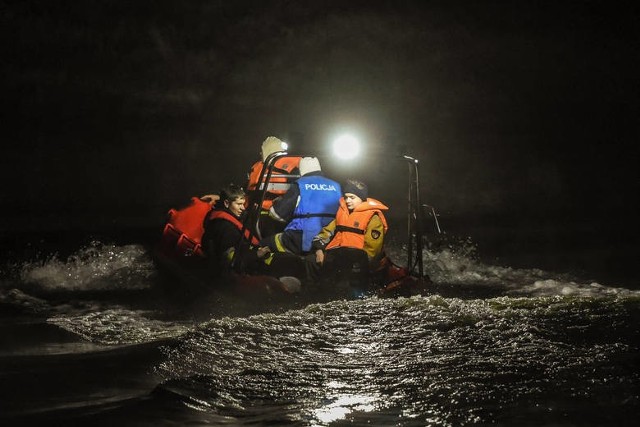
x,y
278,240
268,259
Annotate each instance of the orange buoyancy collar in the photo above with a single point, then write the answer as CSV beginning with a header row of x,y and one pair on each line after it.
x,y
280,180
352,227
222,214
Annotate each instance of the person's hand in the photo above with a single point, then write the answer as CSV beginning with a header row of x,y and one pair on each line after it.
x,y
263,251
320,256
210,198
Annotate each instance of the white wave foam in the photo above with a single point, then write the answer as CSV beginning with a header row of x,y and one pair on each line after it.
x,y
96,267
119,326
550,287
458,265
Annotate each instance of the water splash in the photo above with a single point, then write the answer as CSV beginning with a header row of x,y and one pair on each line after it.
x,y
456,265
97,266
118,326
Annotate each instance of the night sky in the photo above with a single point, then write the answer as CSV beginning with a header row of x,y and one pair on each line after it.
x,y
114,111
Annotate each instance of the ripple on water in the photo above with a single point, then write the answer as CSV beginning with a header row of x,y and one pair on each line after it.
x,y
425,358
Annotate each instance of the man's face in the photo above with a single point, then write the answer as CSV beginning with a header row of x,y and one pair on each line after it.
x,y
352,200
236,207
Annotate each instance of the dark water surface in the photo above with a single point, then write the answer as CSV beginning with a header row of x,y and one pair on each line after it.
x,y
545,333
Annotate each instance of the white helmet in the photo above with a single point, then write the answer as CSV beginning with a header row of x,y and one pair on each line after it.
x,y
308,165
272,145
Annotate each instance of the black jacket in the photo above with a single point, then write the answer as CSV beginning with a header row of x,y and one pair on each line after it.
x,y
221,236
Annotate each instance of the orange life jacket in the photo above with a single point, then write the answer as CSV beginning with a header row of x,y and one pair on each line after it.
x,y
352,227
183,232
222,214
281,178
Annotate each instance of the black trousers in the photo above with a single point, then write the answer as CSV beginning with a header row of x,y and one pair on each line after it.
x,y
346,265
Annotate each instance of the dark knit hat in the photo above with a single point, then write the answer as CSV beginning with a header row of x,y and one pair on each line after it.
x,y
358,188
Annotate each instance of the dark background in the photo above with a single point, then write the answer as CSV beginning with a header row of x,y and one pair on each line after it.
x,y
521,112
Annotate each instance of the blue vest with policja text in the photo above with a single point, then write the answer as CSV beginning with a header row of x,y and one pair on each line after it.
x,y
319,202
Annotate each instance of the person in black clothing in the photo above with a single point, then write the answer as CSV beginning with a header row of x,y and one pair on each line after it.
x,y
223,233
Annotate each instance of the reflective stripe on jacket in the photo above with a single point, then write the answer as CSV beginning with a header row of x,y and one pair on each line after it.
x,y
282,177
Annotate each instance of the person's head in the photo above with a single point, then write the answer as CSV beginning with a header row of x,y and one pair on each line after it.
x,y
272,145
355,192
233,199
308,165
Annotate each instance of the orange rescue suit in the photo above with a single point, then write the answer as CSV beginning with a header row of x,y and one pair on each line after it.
x,y
351,228
189,220
282,177
183,231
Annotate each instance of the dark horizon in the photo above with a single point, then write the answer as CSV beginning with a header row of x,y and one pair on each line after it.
x,y
115,112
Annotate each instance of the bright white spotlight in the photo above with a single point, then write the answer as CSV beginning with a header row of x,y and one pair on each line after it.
x,y
346,147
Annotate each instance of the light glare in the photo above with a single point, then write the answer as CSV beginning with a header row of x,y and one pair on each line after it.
x,y
346,147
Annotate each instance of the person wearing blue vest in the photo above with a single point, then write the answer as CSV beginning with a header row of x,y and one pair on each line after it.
x,y
309,205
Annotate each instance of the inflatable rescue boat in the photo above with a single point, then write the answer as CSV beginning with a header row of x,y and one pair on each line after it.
x,y
180,254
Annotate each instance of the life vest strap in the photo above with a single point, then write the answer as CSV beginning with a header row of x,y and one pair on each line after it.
x,y
349,229
315,215
276,186
283,173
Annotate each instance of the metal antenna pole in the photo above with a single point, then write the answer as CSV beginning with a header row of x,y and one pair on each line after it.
x,y
418,219
410,221
415,217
